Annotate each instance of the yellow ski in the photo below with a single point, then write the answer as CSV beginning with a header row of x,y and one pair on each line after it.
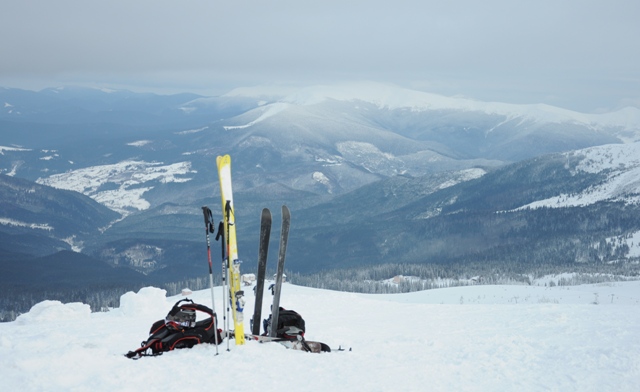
x,y
236,295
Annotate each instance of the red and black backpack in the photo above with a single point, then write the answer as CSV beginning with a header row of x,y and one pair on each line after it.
x,y
179,330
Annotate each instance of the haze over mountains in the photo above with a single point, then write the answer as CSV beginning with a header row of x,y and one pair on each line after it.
x,y
372,173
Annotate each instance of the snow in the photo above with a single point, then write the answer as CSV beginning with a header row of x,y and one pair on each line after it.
x,y
53,155
631,240
267,111
391,97
12,222
369,157
139,143
125,180
321,178
75,245
191,131
621,162
5,148
463,175
524,338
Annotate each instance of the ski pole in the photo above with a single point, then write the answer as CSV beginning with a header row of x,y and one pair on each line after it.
x,y
221,236
209,228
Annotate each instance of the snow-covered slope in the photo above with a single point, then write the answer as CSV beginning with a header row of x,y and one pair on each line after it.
x,y
120,186
480,338
620,163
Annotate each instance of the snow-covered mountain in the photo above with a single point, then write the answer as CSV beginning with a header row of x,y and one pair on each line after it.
x,y
326,140
391,97
374,170
525,338
620,163
454,127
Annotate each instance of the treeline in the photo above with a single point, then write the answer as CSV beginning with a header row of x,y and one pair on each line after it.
x,y
417,277
375,279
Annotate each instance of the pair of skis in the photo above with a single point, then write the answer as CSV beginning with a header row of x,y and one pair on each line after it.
x,y
265,233
230,260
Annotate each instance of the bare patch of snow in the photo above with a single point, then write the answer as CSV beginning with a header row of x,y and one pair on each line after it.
x,y
76,246
139,143
191,131
319,177
38,226
5,148
331,161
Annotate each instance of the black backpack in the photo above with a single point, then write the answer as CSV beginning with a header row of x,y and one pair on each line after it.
x,y
290,325
179,330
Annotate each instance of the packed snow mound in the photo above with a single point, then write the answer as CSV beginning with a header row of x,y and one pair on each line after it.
x,y
146,301
52,311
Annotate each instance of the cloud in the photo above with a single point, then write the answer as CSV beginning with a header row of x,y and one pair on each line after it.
x,y
199,42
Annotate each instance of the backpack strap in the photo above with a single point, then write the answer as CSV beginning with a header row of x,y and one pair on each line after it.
x,y
144,350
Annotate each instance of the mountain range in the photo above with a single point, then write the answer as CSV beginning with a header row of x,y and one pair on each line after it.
x,y
372,173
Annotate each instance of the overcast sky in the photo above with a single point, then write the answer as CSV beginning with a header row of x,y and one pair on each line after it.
x,y
578,54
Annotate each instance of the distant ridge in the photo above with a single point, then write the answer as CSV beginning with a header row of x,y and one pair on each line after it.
x,y
392,97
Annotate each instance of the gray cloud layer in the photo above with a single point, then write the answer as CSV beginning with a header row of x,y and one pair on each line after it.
x,y
578,54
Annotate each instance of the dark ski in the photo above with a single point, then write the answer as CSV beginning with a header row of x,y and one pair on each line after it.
x,y
284,237
263,250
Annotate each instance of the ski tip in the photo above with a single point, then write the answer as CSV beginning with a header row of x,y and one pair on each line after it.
x,y
223,160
